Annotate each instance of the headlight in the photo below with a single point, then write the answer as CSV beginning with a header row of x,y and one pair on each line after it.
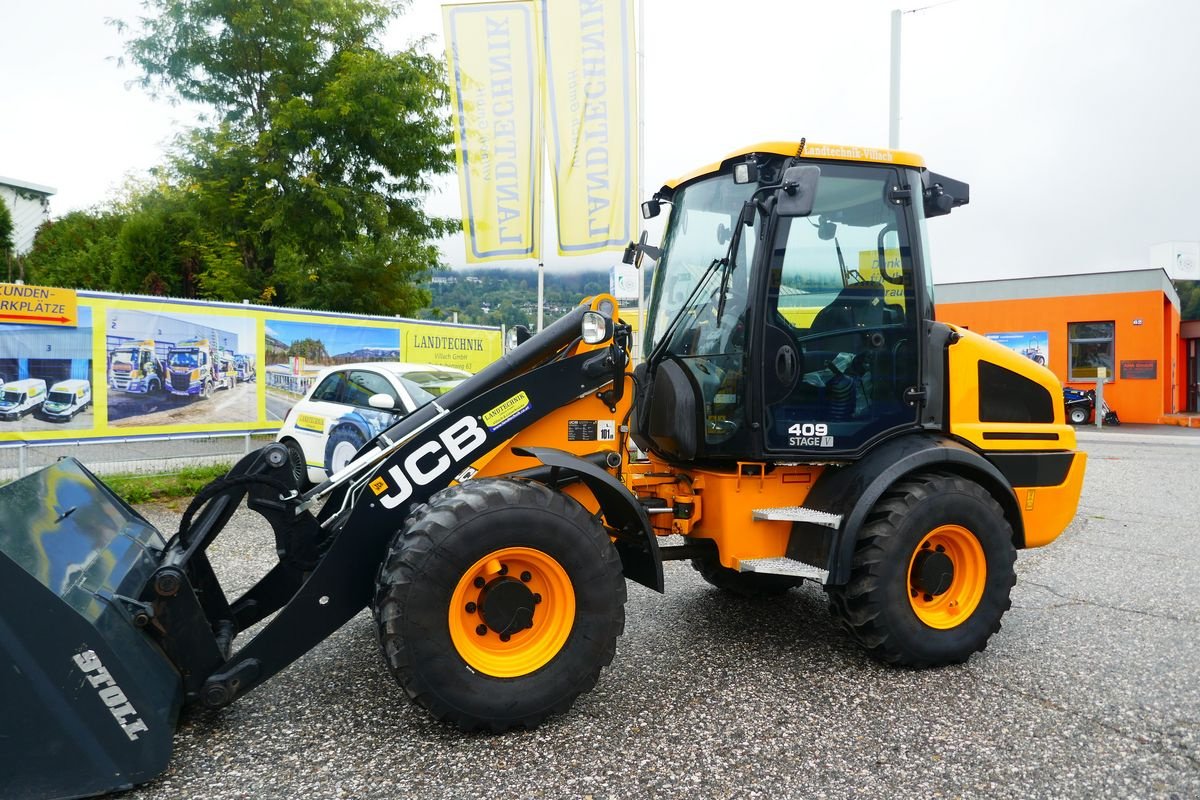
x,y
596,327
515,337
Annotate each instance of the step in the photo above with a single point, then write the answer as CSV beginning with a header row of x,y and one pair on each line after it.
x,y
798,514
783,566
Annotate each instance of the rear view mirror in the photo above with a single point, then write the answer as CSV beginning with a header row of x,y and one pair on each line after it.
x,y
795,197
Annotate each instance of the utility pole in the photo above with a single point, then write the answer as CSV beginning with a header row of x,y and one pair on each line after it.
x,y
894,104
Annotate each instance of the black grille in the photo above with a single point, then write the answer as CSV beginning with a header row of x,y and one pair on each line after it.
x,y
180,383
1005,396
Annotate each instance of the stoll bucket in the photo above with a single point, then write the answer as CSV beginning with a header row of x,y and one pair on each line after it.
x,y
88,701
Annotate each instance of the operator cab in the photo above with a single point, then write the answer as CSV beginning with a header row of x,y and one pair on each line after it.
x,y
788,307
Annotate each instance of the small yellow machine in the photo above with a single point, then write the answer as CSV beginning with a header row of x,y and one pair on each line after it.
x,y
802,413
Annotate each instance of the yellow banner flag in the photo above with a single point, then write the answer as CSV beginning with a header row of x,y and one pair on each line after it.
x,y
494,57
591,104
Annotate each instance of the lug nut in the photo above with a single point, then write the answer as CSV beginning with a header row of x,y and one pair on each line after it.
x,y
479,582
526,576
481,630
537,598
471,608
504,637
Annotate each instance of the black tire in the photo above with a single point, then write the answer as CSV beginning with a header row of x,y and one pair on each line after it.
x,y
878,605
298,464
746,584
1077,416
345,434
433,556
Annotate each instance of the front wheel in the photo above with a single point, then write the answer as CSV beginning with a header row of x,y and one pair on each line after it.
x,y
932,573
1077,415
499,603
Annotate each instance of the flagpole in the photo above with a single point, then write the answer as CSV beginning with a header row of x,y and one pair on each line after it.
x,y
541,238
641,177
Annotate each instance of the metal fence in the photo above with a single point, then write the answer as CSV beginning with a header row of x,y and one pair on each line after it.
x,y
142,455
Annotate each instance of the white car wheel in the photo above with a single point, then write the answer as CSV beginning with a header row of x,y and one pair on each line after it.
x,y
343,454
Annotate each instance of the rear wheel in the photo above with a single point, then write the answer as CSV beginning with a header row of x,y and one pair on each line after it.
x,y
1077,416
499,603
932,573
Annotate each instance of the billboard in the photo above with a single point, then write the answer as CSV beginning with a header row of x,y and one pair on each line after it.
x,y
1034,345
133,366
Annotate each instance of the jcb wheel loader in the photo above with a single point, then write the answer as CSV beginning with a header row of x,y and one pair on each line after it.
x,y
802,415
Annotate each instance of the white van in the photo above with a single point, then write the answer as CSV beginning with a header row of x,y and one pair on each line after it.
x,y
66,399
21,397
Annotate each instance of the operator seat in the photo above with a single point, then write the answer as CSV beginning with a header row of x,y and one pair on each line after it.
x,y
859,305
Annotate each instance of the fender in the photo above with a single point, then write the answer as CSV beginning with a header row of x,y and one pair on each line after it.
x,y
635,540
853,490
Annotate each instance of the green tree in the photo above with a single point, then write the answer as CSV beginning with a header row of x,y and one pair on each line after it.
x,y
6,238
1189,299
320,147
166,248
76,251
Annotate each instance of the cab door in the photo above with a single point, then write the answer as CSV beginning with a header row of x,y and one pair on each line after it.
x,y
840,350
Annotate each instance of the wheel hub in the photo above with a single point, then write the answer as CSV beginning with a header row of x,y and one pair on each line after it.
x,y
506,605
932,572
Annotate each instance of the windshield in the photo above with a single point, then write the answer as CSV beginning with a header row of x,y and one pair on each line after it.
x,y
433,382
699,232
62,398
122,357
419,396
12,398
182,359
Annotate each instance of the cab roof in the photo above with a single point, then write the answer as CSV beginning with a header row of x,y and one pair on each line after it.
x,y
813,150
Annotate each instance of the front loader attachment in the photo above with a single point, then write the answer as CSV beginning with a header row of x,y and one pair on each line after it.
x,y
88,702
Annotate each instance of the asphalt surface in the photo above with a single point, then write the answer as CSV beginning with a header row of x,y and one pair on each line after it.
x,y
1090,690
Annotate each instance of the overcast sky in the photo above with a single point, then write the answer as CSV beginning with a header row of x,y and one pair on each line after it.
x,y
1074,122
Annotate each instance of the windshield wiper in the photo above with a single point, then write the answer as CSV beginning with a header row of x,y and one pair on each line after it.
x,y
729,262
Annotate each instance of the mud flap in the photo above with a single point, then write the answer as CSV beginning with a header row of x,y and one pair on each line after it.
x,y
89,701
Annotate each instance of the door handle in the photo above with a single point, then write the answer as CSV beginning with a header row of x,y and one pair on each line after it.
x,y
785,365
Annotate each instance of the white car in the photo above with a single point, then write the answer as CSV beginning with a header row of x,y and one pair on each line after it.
x,y
323,431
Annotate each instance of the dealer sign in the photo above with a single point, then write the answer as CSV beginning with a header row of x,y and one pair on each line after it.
x,y
37,305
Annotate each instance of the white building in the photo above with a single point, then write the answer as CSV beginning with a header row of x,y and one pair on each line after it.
x,y
29,204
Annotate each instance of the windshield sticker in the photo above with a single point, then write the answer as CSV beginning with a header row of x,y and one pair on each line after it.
x,y
507,411
378,486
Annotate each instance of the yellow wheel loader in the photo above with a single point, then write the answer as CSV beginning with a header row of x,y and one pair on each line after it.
x,y
800,414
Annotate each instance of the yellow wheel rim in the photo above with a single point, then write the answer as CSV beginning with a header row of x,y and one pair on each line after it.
x,y
511,612
946,577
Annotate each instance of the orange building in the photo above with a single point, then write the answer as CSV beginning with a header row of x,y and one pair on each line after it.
x,y
1126,323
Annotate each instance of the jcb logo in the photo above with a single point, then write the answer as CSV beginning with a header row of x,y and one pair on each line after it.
x,y
429,461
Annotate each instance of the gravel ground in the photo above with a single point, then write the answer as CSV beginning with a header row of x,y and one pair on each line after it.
x,y
1091,690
